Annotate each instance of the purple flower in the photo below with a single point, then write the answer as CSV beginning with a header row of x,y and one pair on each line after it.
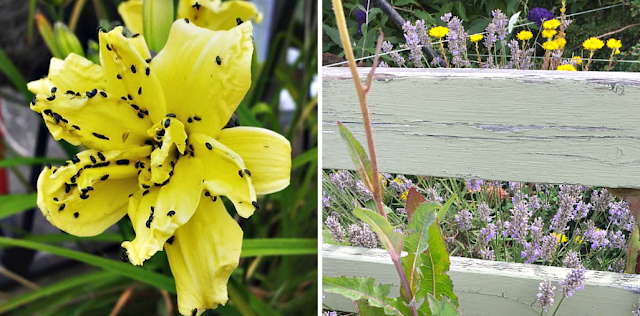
x,y
413,43
636,309
500,20
600,201
537,231
582,209
573,282
343,180
473,184
388,48
484,212
361,15
488,254
463,218
620,215
545,296
518,226
531,252
486,234
325,199
362,236
363,192
548,248
539,15
598,238
457,38
337,232
571,260
617,240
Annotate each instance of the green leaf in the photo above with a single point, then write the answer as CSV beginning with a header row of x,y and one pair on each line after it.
x,y
56,288
27,161
443,210
435,259
417,242
157,18
359,157
389,238
422,15
46,32
11,71
16,203
364,309
305,158
66,41
120,268
440,308
424,216
404,2
279,247
363,288
333,34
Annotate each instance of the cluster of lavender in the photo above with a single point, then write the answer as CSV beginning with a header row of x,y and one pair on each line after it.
x,y
326,313
359,235
573,281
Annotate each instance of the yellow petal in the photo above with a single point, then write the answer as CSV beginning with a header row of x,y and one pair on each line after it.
x,y
224,173
84,201
217,15
205,74
96,118
157,213
129,74
265,153
202,255
131,13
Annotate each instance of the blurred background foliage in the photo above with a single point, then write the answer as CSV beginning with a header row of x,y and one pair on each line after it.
x,y
278,272
623,20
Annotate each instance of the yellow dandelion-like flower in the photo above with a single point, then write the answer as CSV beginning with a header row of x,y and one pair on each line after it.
x,y
579,240
211,14
568,67
158,151
439,31
551,24
562,10
524,35
560,238
549,33
404,195
614,43
561,42
550,45
476,37
616,52
577,60
592,44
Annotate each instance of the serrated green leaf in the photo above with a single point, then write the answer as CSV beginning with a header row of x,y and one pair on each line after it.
x,y
389,238
440,308
363,288
359,157
364,309
397,306
433,271
417,242
16,203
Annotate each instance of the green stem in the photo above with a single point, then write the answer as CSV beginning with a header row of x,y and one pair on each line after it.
x,y
558,307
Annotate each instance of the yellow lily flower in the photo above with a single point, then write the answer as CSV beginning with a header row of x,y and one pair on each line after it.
x,y
212,14
158,151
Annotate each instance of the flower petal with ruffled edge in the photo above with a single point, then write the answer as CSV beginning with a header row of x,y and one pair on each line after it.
x,y
205,74
202,254
131,13
217,15
265,153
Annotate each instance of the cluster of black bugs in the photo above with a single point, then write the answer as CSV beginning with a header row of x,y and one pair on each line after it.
x,y
150,220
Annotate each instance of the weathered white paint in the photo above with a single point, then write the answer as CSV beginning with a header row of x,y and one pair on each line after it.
x,y
534,126
491,288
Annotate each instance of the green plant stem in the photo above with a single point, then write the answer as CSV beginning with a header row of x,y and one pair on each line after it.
x,y
558,307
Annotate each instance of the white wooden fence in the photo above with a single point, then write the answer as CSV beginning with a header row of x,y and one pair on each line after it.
x,y
528,126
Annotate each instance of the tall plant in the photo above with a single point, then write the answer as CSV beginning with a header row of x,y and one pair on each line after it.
x,y
422,272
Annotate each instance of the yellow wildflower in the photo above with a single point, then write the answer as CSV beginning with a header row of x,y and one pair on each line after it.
x,y
616,52
562,10
551,24
579,240
548,33
439,31
383,180
568,67
211,14
524,35
577,60
550,45
476,37
561,42
592,44
614,43
404,195
560,238
159,153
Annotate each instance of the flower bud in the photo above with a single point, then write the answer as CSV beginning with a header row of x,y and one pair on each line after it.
x,y
67,41
157,18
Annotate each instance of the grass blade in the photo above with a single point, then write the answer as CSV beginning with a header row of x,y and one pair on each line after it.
x,y
279,247
16,203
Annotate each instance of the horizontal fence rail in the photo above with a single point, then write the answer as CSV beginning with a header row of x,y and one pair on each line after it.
x,y
490,288
530,126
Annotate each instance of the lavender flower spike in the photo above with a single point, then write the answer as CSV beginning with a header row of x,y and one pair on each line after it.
x,y
388,48
457,38
545,296
573,282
